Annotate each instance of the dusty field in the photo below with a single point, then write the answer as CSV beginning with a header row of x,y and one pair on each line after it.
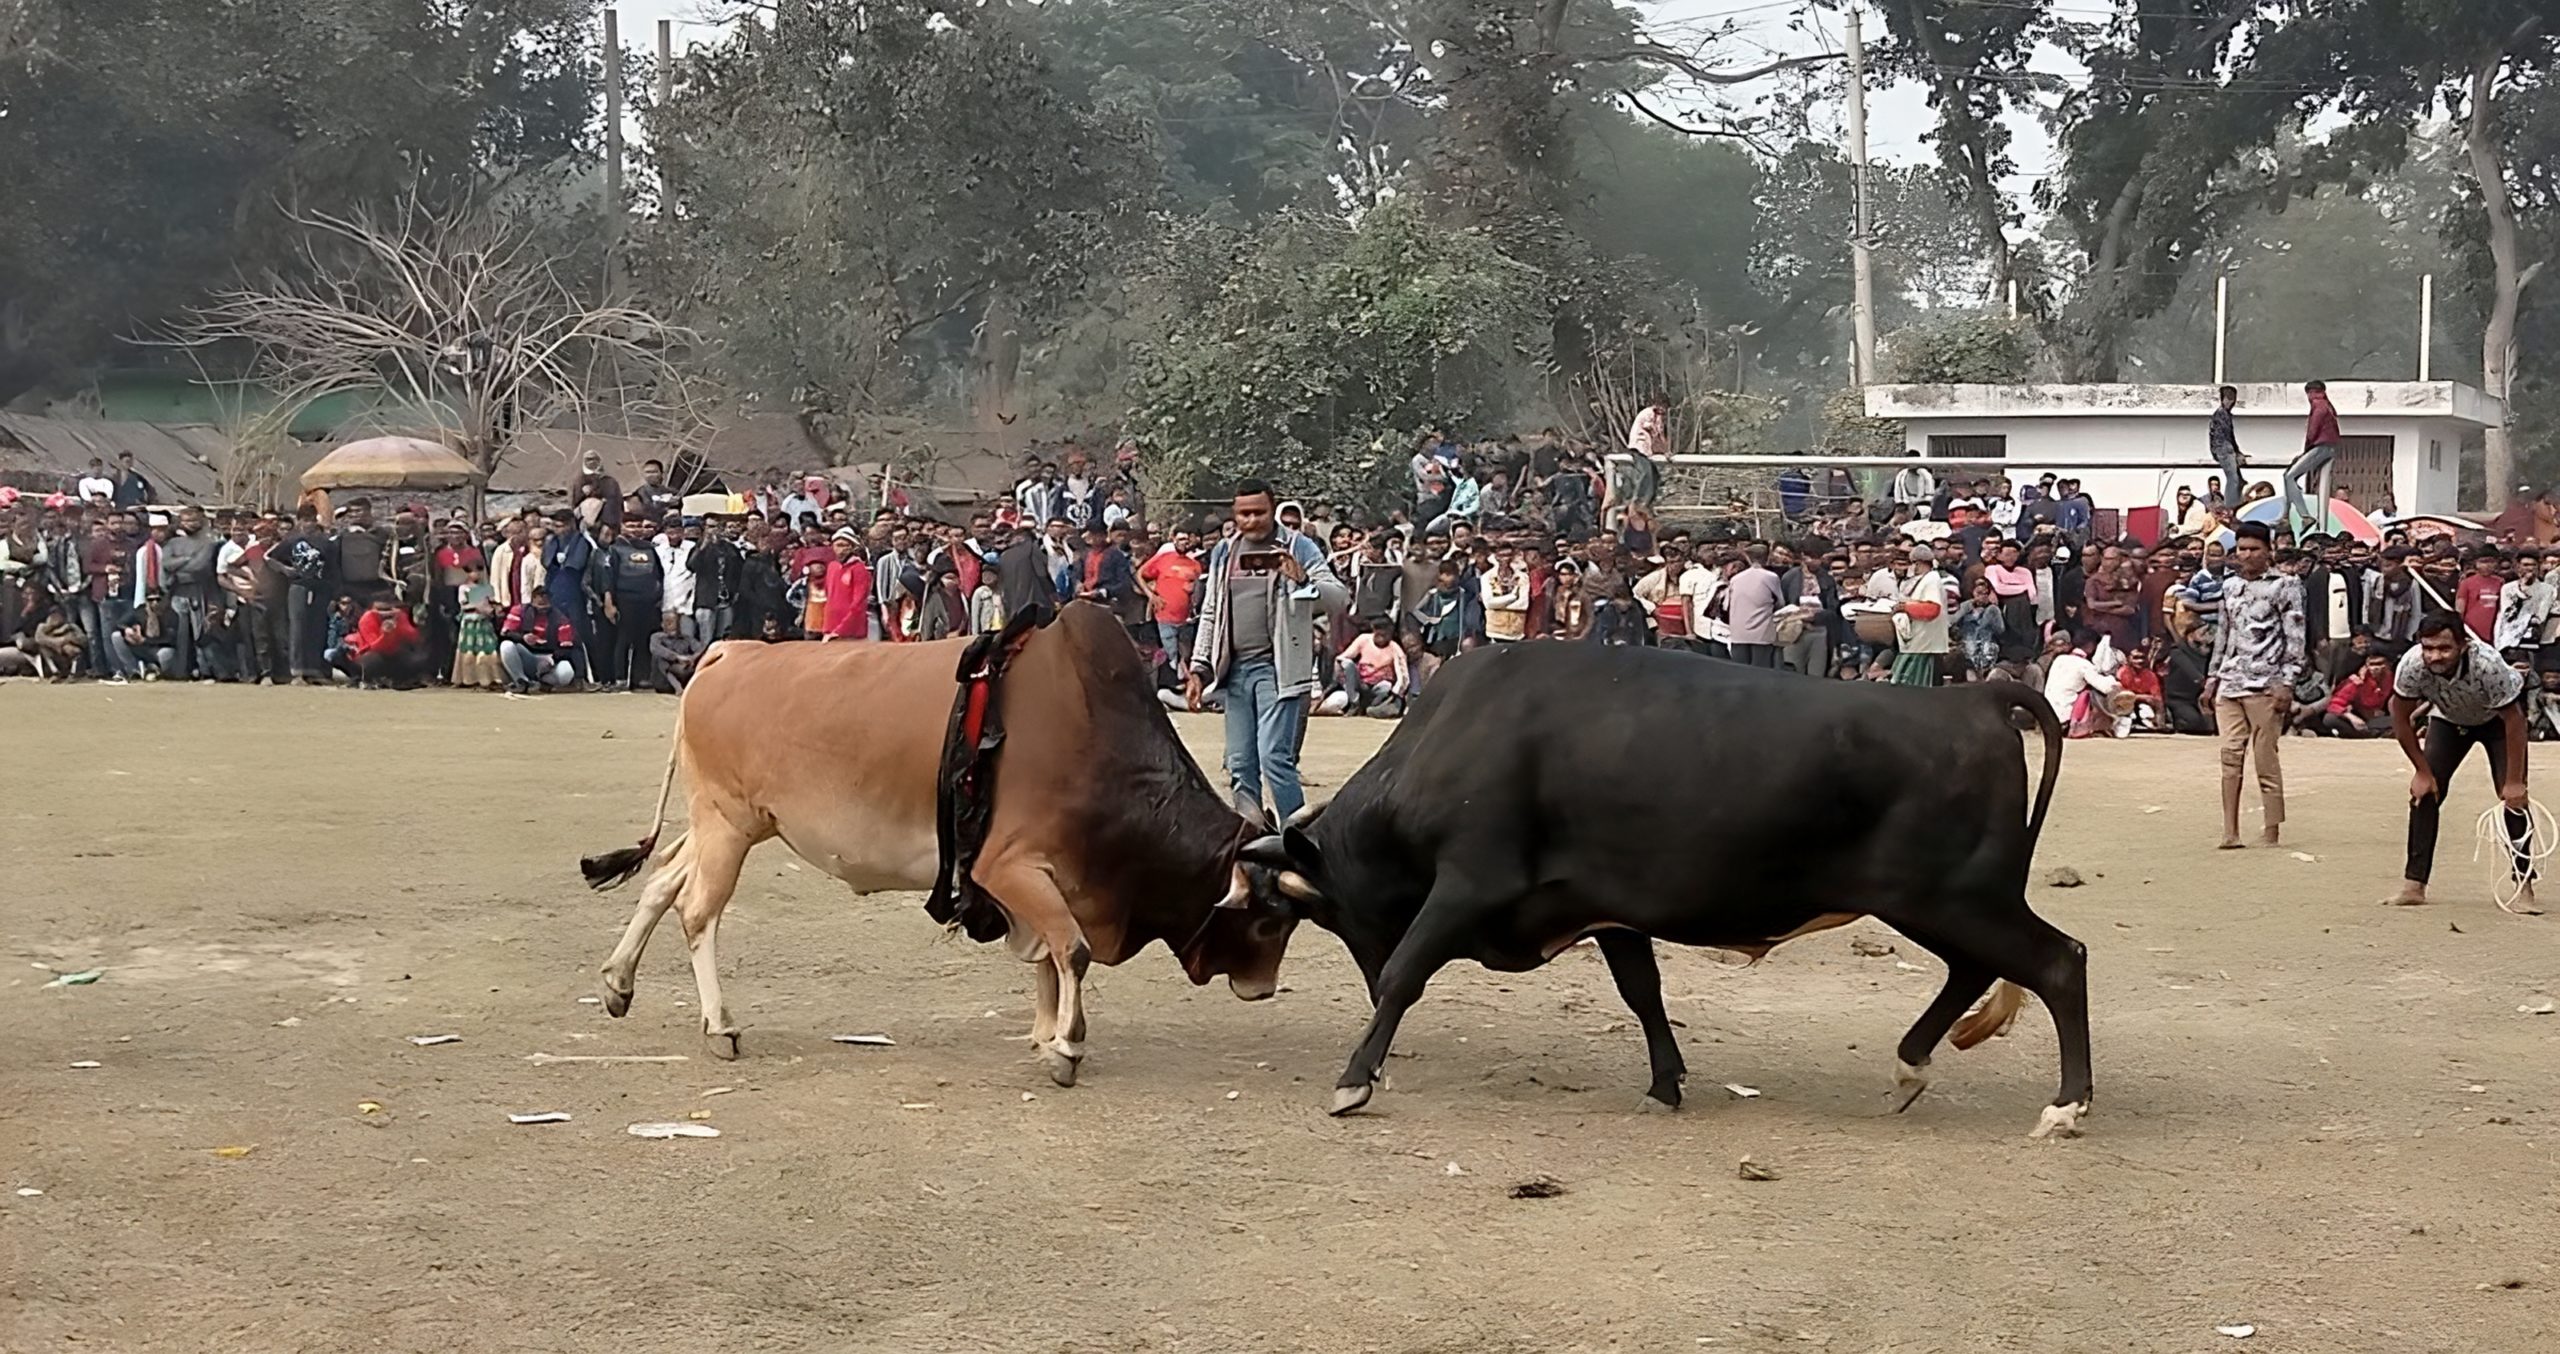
x,y
2316,1115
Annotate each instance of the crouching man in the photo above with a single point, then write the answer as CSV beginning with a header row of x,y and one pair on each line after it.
x,y
2478,699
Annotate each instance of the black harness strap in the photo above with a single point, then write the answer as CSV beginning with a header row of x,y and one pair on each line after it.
x,y
965,784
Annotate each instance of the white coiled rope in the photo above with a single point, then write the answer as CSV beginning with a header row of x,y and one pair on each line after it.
x,y
2490,833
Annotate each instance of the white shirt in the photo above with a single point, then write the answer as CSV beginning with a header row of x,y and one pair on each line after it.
x,y
675,561
2068,676
1648,435
95,486
1700,586
1928,636
2522,608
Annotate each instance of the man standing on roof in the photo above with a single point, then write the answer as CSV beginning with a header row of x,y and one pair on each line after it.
x,y
132,490
2319,447
2224,439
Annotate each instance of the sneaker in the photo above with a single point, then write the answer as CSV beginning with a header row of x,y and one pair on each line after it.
x,y
116,680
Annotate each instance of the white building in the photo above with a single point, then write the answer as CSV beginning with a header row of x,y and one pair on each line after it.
x,y
2131,446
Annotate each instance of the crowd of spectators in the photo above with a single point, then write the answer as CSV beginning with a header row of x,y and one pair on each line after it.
x,y
1927,581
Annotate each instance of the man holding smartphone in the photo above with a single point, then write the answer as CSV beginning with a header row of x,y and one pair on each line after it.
x,y
1263,590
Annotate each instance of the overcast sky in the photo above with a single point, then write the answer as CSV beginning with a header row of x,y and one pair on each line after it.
x,y
1898,116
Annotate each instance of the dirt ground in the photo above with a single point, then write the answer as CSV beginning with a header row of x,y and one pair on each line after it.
x,y
2318,1116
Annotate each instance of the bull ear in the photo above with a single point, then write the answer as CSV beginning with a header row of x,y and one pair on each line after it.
x,y
1271,852
1302,852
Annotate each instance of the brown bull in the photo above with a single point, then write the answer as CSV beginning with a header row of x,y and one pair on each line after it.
x,y
1104,834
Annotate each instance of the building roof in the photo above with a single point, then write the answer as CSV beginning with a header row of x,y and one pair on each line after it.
x,y
183,461
2448,400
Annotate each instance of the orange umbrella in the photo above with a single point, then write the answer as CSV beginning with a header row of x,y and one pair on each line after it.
x,y
390,463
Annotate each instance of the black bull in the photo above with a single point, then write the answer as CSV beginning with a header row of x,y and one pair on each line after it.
x,y
1538,793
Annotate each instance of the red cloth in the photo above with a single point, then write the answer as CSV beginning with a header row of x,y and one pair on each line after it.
x,y
967,567
467,557
2360,697
374,636
2140,681
848,598
2478,599
2322,429
541,626
804,556
1169,574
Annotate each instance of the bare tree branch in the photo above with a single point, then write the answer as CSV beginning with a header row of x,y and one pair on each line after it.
x,y
1698,70
1748,138
463,321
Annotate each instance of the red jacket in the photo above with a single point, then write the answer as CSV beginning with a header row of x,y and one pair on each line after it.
x,y
373,636
538,629
848,585
2322,430
2356,696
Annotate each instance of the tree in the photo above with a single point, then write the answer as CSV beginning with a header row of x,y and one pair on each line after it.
x,y
853,196
1323,348
2325,285
2172,133
1973,351
1973,59
1259,106
2175,131
2490,64
460,315
156,145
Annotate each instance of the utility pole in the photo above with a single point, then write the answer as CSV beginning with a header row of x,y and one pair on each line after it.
x,y
2426,326
612,151
2221,326
666,62
1863,301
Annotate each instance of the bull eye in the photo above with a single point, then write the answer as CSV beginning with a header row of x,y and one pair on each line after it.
x,y
1270,928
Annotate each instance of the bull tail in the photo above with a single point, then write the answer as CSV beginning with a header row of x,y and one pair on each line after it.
x,y
2000,1010
1992,1018
616,867
2027,701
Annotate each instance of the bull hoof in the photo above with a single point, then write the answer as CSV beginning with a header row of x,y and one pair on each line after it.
x,y
724,1045
1657,1102
2059,1121
617,1004
1061,1068
1908,1083
1349,1098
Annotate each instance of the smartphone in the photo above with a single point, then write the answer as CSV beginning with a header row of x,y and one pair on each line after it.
x,y
1258,562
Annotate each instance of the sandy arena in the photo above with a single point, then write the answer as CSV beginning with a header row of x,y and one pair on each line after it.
x,y
2324,1118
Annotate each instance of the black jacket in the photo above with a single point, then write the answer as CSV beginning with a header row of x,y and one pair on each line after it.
x,y
1022,577
631,570
719,573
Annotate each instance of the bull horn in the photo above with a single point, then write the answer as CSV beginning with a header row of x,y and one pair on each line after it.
x,y
1239,890
1306,814
1271,851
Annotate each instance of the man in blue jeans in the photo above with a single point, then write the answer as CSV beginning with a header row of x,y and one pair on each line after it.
x,y
1256,646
